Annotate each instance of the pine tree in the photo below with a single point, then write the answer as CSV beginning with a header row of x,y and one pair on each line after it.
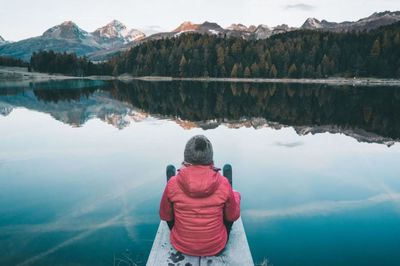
x,y
292,72
255,70
247,72
376,48
235,70
183,66
273,73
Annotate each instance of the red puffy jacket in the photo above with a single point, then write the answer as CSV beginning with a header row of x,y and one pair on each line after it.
x,y
199,199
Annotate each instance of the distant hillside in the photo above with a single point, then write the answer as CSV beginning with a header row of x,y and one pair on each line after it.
x,y
68,37
296,54
115,37
374,21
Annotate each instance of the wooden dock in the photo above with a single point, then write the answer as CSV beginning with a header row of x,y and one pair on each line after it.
x,y
236,252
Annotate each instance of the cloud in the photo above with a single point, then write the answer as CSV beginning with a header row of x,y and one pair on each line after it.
x,y
289,144
300,6
324,207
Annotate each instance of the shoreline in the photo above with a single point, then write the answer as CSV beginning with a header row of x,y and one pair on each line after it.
x,y
327,81
19,74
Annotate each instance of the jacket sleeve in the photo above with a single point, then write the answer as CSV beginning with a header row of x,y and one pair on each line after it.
x,y
166,210
232,206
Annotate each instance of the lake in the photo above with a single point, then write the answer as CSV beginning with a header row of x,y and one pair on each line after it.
x,y
82,168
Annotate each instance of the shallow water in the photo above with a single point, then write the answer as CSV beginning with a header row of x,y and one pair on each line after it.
x,y
82,168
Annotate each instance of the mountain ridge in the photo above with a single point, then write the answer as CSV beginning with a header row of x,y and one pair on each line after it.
x,y
116,33
115,37
371,22
69,37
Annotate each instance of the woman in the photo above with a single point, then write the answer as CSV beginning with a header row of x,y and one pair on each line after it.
x,y
199,201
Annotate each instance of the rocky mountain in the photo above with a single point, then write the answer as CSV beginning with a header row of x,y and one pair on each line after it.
x,y
64,37
116,34
263,31
312,24
369,23
115,37
67,30
189,27
241,27
2,41
68,37
256,32
211,28
234,30
186,26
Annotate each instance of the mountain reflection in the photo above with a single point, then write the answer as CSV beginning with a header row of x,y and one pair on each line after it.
x,y
365,113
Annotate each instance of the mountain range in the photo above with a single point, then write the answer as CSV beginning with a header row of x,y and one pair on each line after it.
x,y
372,22
116,37
70,37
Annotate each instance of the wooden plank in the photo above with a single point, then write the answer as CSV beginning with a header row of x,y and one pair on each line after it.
x,y
162,253
236,252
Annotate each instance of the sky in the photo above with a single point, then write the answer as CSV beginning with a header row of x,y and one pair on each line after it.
x,y
21,19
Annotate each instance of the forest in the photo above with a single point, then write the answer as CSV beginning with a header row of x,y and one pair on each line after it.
x,y
297,54
12,62
67,64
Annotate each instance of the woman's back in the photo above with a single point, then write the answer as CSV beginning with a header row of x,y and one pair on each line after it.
x,y
199,199
198,194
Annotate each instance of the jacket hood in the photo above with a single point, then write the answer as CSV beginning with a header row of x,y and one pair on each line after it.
x,y
198,181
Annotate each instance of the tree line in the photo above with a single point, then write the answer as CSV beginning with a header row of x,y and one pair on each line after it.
x,y
11,61
67,64
297,54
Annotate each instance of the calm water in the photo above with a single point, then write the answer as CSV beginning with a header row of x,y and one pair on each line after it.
x,y
82,168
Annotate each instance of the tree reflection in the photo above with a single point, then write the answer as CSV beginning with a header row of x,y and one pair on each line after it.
x,y
370,109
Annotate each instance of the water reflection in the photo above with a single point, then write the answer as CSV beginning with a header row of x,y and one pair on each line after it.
x,y
324,207
364,113
84,195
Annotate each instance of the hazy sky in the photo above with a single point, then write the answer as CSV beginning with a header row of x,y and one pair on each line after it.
x,y
20,19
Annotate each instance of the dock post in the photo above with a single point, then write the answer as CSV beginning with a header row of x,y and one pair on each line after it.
x,y
227,172
170,171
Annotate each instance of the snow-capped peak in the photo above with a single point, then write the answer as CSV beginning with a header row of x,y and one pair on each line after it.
x,y
134,35
238,27
66,30
263,26
312,23
117,30
114,29
2,40
384,14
